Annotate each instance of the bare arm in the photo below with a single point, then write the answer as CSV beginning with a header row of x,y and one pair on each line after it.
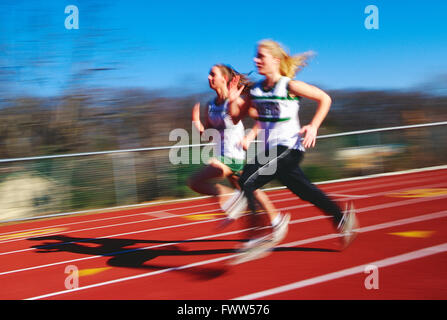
x,y
303,89
196,118
250,136
238,107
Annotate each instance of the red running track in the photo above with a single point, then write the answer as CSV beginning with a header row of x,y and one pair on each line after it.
x,y
174,251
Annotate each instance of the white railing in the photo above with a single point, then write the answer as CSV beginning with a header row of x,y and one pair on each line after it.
x,y
209,144
128,190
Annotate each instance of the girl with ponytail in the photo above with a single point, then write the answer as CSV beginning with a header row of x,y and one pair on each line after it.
x,y
230,151
274,102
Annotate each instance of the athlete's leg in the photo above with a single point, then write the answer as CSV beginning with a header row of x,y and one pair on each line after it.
x,y
261,197
291,175
201,181
253,178
266,204
234,180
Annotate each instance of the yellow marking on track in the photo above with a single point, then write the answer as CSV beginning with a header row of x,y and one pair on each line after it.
x,y
414,234
29,234
89,272
204,216
419,193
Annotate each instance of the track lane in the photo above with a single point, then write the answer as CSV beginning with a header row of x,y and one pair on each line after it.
x,y
313,260
413,275
139,236
287,199
301,213
197,203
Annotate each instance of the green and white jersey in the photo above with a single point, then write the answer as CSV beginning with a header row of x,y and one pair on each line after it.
x,y
277,115
230,134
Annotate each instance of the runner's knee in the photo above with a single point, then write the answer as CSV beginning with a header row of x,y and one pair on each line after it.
x,y
192,183
247,185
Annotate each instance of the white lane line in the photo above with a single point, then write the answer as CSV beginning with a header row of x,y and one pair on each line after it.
x,y
204,262
418,254
161,214
390,184
395,223
424,217
125,233
150,229
108,218
293,197
352,196
360,179
382,193
195,207
359,210
387,174
125,251
334,184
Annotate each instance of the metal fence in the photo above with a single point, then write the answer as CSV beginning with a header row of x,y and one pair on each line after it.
x,y
40,186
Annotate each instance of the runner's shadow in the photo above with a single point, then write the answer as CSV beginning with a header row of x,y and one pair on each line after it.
x,y
123,255
105,246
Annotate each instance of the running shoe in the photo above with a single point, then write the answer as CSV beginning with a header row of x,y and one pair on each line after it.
x,y
278,233
348,225
280,230
236,205
254,249
261,247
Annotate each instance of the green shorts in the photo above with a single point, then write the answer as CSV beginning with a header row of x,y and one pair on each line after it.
x,y
235,165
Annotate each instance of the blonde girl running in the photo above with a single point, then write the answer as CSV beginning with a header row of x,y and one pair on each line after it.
x,y
274,102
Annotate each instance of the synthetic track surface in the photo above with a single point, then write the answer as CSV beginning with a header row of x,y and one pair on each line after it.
x,y
174,251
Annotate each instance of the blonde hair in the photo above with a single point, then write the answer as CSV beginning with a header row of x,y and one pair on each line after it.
x,y
289,65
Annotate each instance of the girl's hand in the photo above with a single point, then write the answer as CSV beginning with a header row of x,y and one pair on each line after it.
x,y
310,135
233,91
245,143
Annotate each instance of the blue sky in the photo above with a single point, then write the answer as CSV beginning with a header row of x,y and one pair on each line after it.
x,y
172,44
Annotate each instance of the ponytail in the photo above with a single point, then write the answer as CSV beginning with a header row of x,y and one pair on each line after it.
x,y
230,72
289,65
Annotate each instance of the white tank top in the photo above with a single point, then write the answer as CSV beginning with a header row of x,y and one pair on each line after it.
x,y
230,134
278,115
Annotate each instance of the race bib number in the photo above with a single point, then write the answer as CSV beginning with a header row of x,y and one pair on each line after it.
x,y
268,109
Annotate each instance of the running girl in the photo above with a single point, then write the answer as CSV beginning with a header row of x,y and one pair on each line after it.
x,y
275,102
231,150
